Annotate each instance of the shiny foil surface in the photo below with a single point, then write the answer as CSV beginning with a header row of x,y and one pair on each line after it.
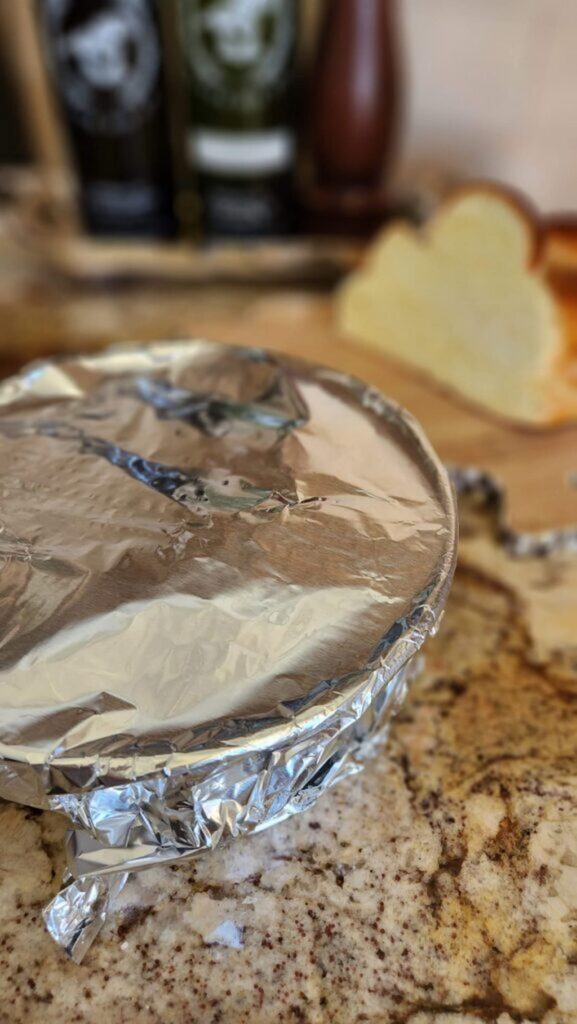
x,y
216,566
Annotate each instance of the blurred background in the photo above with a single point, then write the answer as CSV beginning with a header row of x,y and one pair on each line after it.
x,y
164,159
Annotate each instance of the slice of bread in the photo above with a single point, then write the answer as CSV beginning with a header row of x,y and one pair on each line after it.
x,y
471,300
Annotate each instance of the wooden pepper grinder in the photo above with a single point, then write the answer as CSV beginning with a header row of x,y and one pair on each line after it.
x,y
354,115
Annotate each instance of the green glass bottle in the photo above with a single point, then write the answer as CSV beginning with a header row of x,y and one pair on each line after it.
x,y
240,57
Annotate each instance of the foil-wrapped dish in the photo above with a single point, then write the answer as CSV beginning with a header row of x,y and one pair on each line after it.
x,y
217,566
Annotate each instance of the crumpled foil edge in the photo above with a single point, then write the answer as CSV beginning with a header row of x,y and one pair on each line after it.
x,y
163,820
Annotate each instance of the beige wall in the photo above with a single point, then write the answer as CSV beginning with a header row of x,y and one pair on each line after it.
x,y
493,91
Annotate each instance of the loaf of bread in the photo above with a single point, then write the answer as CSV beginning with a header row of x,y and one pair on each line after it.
x,y
477,299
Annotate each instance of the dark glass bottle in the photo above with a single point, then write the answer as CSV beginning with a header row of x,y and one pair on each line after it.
x,y
106,59
353,112
240,57
14,144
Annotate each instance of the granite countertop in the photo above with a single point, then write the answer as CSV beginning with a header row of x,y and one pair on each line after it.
x,y
440,885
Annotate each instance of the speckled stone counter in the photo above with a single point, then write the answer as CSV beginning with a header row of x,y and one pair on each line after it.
x,y
439,885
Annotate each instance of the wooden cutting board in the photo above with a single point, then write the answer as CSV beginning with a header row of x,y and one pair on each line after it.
x,y
537,466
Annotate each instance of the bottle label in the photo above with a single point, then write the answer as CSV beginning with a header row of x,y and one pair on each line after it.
x,y
236,154
123,201
233,211
238,49
107,62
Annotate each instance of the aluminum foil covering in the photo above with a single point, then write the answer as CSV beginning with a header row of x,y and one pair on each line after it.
x,y
217,565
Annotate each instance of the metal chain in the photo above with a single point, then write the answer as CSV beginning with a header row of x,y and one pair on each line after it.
x,y
477,484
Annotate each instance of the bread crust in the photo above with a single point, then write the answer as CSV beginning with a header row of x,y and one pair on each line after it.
x,y
536,226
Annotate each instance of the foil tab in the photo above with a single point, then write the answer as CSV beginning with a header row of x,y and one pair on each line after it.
x,y
217,566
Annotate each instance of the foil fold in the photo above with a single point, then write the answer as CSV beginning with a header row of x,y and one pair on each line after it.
x,y
75,916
